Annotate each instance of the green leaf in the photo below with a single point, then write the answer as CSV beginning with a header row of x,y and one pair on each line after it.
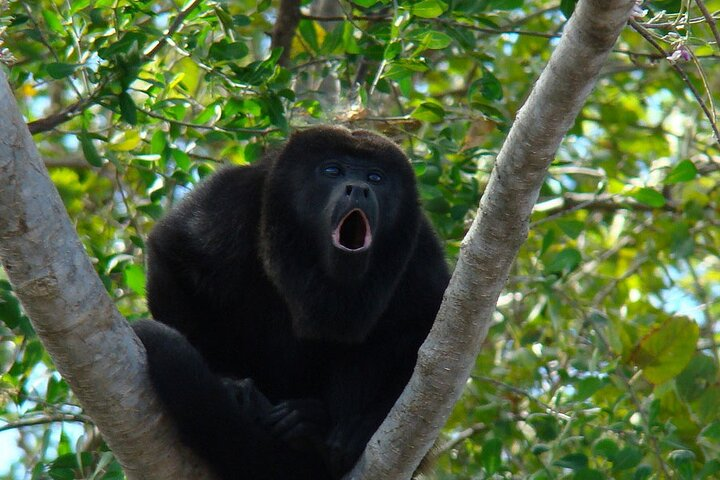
x,y
128,110
53,22
490,455
682,460
307,31
429,112
428,8
10,313
224,50
125,142
365,3
182,160
710,470
586,387
135,278
697,376
642,472
489,87
392,50
571,228
89,151
565,261
664,352
627,458
649,196
546,426
505,4
682,172
606,448
548,240
567,7
712,432
573,461
589,474
158,142
130,42
60,70
435,40
539,449
404,68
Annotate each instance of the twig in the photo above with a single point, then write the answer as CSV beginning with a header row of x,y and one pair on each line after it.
x,y
51,418
215,128
710,21
172,29
647,36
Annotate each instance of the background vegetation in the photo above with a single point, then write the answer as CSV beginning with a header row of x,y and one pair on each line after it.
x,y
603,359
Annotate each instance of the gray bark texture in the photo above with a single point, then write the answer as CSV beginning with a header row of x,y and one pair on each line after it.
x,y
91,344
489,248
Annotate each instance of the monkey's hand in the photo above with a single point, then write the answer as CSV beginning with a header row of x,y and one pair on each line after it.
x,y
253,403
303,423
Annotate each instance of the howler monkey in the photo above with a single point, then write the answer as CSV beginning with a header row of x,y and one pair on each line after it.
x,y
302,287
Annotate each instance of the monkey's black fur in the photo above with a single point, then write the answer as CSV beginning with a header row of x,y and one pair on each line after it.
x,y
303,286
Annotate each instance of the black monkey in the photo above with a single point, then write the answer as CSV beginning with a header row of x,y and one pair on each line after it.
x,y
302,287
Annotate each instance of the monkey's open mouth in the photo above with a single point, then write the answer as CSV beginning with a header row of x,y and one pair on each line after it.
x,y
353,232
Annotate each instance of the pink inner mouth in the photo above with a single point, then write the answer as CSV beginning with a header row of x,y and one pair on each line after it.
x,y
353,232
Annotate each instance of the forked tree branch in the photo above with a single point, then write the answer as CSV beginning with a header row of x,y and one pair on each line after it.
x,y
489,249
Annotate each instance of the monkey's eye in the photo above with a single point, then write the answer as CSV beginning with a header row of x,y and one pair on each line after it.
x,y
374,177
331,171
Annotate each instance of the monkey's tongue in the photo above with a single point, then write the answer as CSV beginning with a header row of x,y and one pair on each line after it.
x,y
353,232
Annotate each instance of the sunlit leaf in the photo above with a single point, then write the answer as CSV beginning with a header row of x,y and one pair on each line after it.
x,y
125,142
428,8
682,172
649,196
667,349
135,278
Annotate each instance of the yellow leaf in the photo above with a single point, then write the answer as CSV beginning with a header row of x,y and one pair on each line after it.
x,y
125,142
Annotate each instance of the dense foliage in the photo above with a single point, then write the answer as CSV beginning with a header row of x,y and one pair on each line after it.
x,y
603,358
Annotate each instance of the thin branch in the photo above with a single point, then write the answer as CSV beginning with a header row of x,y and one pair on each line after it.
x,y
214,128
342,18
45,419
172,29
52,121
669,25
710,21
647,36
444,21
571,202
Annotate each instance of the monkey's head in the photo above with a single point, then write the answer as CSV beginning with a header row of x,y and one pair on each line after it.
x,y
340,212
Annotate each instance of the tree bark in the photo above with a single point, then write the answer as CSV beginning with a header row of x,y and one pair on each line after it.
x,y
489,249
288,18
91,344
